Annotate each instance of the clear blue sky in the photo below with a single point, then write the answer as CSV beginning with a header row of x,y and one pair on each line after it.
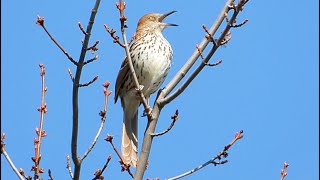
x,y
267,85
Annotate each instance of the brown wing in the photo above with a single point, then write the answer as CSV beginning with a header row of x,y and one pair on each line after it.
x,y
123,72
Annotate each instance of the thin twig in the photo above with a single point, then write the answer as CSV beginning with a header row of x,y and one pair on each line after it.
x,y
24,175
70,74
93,48
174,118
219,156
6,155
69,167
91,60
103,118
124,167
90,82
99,172
81,28
284,171
40,22
40,132
202,57
240,24
114,37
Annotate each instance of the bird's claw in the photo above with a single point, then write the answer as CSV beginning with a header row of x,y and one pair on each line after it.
x,y
147,112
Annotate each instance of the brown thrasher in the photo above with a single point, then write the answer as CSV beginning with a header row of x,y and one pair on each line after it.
x,y
151,56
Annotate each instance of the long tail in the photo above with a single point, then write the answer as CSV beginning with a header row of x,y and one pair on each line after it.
x,y
129,146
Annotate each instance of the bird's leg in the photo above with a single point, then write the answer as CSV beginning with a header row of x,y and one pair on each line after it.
x,y
147,111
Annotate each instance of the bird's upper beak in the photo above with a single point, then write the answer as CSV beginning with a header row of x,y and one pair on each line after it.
x,y
164,16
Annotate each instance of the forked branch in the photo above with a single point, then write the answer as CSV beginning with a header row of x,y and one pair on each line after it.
x,y
40,22
164,97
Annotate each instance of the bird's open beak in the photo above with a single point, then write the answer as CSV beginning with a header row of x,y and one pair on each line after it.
x,y
164,16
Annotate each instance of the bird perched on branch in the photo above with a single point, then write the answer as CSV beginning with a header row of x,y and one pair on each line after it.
x,y
151,56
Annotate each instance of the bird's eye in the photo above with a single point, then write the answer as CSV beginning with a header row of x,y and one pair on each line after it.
x,y
152,18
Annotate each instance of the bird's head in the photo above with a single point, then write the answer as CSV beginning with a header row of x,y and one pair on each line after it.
x,y
154,21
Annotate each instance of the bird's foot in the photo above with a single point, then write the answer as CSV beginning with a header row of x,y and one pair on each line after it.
x,y
147,112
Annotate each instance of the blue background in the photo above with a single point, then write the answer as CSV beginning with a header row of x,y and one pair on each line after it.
x,y
267,85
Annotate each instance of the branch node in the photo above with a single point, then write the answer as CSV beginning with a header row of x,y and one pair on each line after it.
x,y
93,48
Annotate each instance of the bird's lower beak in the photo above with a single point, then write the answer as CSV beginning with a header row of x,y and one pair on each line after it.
x,y
164,16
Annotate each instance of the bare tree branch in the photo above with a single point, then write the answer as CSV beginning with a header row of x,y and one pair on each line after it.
x,y
70,74
90,82
40,132
6,155
91,60
219,156
221,40
75,94
98,173
69,167
40,22
124,167
81,28
103,118
174,118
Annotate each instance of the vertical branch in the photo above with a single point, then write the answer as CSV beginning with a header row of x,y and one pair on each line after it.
x,y
75,93
40,132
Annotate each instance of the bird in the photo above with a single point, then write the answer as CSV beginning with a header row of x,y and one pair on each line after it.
x,y
151,56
